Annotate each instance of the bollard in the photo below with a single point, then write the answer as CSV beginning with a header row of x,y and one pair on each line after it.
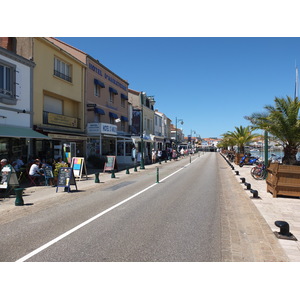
x,y
127,170
97,178
159,161
113,174
237,173
19,199
284,231
243,179
232,167
157,175
255,193
166,160
135,169
248,186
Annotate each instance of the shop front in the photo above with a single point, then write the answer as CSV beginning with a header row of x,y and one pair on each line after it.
x,y
16,142
64,146
103,140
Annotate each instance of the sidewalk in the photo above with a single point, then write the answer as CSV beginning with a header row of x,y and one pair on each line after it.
x,y
274,209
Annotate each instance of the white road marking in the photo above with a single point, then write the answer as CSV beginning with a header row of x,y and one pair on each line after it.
x,y
45,246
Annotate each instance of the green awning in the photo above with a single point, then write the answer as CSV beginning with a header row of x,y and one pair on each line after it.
x,y
20,132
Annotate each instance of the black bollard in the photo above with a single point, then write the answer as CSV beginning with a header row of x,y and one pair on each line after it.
x,y
127,170
243,179
248,186
255,193
237,173
284,231
113,174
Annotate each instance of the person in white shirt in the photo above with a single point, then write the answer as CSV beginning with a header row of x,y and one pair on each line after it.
x,y
35,170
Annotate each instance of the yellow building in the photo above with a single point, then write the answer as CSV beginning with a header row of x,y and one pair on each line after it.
x,y
58,98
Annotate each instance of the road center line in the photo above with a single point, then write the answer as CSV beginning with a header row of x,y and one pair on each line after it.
x,y
45,246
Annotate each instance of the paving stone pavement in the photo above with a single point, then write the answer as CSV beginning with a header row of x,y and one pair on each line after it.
x,y
255,218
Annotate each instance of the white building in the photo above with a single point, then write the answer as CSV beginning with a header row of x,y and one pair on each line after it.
x,y
16,74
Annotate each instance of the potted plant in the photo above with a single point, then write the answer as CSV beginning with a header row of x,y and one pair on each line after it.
x,y
282,121
57,166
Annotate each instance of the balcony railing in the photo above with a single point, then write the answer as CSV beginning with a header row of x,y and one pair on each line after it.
x,y
62,76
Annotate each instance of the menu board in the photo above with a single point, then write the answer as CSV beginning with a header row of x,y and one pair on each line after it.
x,y
65,178
48,172
110,164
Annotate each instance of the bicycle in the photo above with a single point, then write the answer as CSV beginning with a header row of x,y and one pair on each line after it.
x,y
259,172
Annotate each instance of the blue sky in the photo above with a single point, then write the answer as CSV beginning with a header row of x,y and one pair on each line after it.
x,y
209,82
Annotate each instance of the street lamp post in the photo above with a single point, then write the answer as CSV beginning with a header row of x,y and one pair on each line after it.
x,y
142,166
181,122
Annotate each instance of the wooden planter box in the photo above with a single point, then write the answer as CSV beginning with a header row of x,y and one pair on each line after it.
x,y
283,180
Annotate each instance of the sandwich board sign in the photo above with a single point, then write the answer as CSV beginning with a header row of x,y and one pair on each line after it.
x,y
110,164
65,179
78,165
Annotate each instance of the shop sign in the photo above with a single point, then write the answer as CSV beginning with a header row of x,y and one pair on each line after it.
x,y
61,120
108,128
98,128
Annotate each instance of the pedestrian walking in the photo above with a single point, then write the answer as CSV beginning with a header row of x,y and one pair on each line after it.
x,y
153,156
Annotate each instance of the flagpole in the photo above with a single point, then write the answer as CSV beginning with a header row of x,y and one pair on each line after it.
x,y
296,81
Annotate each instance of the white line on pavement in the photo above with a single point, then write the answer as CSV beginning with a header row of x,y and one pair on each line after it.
x,y
45,246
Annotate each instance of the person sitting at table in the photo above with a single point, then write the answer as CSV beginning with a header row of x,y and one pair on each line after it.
x,y
18,163
35,171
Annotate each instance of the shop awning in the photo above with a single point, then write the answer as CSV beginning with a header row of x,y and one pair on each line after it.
x,y
20,132
111,90
125,119
113,115
98,82
124,97
99,111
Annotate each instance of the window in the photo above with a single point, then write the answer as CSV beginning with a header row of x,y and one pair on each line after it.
x,y
53,105
122,102
62,69
123,125
7,75
111,97
97,89
111,120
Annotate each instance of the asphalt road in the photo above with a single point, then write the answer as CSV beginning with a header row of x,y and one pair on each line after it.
x,y
137,219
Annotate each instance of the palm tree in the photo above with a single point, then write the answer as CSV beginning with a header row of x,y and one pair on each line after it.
x,y
282,121
240,137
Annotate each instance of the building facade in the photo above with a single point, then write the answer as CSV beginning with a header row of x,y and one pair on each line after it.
x,y
142,122
16,103
106,108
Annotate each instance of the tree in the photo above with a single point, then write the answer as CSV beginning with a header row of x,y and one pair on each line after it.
x,y
282,121
240,137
